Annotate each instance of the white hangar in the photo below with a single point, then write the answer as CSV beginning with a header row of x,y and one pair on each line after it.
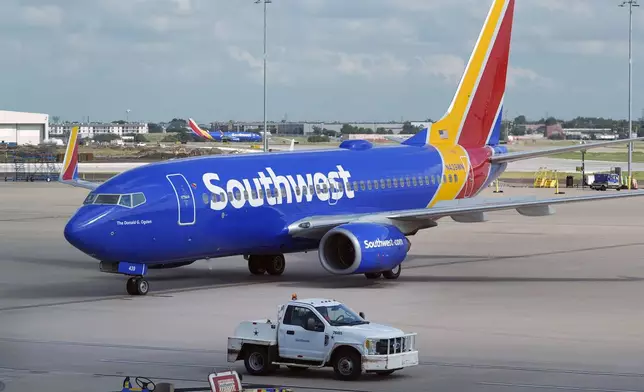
x,y
23,128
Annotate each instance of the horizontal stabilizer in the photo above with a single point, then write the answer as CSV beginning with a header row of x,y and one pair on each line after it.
x,y
420,139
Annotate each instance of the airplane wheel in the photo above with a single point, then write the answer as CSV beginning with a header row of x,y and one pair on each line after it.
x,y
275,264
131,286
373,275
142,286
256,265
393,273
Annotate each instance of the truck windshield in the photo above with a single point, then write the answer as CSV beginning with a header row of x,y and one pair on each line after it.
x,y
339,315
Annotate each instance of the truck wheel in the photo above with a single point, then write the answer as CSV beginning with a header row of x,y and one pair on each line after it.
x,y
347,365
256,361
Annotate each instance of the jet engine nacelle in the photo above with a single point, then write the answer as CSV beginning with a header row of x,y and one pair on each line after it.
x,y
358,248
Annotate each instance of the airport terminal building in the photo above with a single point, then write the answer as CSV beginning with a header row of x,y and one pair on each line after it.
x,y
88,130
23,128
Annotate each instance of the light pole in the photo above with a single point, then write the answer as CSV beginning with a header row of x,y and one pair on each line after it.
x,y
127,115
265,126
631,4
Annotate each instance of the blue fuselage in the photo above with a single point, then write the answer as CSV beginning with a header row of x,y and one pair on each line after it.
x,y
236,136
207,207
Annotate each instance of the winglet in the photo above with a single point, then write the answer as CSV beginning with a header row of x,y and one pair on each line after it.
x,y
69,173
198,131
292,148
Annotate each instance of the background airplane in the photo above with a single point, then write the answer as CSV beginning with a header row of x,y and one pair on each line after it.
x,y
357,205
221,136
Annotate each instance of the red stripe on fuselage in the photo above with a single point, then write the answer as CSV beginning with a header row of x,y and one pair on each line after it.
x,y
69,171
480,168
487,98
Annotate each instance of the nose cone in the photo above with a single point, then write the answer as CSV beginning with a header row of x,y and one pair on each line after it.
x,y
84,230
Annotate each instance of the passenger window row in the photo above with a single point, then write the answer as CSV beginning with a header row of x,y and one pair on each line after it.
x,y
356,186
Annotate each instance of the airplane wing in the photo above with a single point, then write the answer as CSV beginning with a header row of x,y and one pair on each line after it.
x,y
465,210
69,173
517,156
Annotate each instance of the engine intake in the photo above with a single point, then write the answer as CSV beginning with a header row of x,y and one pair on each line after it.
x,y
357,248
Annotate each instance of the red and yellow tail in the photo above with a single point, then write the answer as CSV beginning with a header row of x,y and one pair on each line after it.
x,y
474,117
198,131
69,170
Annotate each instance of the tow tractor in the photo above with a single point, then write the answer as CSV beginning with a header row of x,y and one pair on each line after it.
x,y
317,333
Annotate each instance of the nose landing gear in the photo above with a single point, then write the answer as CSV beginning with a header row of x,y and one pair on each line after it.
x,y
137,286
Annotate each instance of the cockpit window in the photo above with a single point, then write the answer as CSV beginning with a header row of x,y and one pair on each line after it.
x,y
126,201
107,199
138,199
90,198
129,200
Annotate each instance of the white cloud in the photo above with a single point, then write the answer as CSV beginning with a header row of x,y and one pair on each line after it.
x,y
43,16
333,52
447,67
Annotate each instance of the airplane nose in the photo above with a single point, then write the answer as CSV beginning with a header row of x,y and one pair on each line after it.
x,y
73,232
82,231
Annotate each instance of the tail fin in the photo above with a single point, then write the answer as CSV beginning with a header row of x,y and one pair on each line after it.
x,y
200,133
473,119
69,173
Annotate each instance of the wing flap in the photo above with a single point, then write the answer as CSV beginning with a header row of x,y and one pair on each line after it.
x,y
521,155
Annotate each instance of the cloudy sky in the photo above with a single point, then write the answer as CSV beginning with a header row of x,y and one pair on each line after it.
x,y
345,60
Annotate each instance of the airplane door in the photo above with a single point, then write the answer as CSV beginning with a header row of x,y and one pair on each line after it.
x,y
469,180
185,199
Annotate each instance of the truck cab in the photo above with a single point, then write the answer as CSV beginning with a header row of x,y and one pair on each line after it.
x,y
316,333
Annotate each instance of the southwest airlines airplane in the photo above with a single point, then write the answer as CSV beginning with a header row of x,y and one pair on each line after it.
x,y
220,136
357,204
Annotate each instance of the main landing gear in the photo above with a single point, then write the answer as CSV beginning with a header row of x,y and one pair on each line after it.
x,y
137,286
390,274
271,264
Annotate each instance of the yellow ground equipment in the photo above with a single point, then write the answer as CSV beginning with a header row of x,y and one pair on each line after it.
x,y
545,178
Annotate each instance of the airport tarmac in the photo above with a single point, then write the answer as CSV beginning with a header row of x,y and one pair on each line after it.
x,y
513,304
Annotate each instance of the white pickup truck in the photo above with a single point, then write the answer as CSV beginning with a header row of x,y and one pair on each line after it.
x,y
316,333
